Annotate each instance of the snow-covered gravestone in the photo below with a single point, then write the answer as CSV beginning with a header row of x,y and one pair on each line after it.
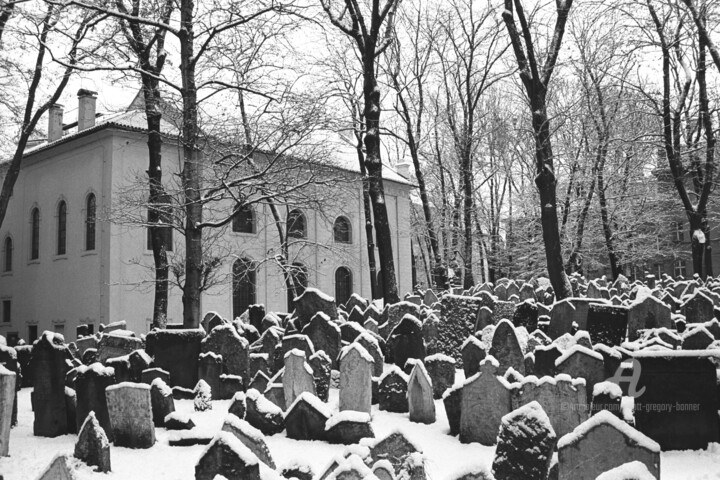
x,y
298,376
628,471
581,362
392,390
601,443
210,367
325,335
225,341
441,369
227,456
7,399
92,446
305,419
420,395
406,341
251,437
506,348
486,398
647,312
48,396
698,308
90,385
525,445
562,316
356,366
130,409
473,352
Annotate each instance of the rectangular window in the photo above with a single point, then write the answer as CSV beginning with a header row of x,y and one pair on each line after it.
x,y
12,339
32,334
59,328
679,232
6,311
680,268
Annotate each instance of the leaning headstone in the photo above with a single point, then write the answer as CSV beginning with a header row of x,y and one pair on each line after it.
x,y
114,345
372,346
225,341
394,448
647,312
441,369
348,427
48,396
392,390
90,385
581,362
420,395
601,443
321,370
473,352
324,335
310,303
130,409
355,379
177,352
92,446
506,348
525,445
227,456
251,437
452,400
562,317
210,366
59,469
298,376
7,400
698,308
263,414
305,419
203,397
162,401
486,398
406,341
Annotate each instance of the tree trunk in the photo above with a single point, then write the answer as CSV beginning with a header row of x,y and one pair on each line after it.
x,y
367,211
373,164
191,172
468,206
546,183
615,266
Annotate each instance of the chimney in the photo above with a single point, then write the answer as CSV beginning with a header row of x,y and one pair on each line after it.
x,y
55,123
86,109
403,169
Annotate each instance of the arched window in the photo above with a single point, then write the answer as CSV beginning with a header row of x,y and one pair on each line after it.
x,y
298,281
62,228
343,285
90,221
296,225
341,230
243,220
7,267
35,234
243,283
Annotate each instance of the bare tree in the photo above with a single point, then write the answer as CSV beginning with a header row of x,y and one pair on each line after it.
x,y
364,26
536,79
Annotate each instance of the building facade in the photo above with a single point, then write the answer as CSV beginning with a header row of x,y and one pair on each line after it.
x,y
67,260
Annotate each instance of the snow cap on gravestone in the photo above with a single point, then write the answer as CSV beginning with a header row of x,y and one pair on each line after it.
x,y
309,303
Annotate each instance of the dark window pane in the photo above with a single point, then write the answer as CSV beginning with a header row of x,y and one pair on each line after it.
x,y
62,228
341,230
6,311
32,333
8,254
90,222
35,235
343,285
243,220
243,286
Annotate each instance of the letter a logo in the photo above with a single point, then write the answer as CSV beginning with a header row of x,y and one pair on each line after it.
x,y
632,379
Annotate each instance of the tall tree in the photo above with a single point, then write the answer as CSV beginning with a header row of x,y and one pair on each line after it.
x,y
536,79
365,27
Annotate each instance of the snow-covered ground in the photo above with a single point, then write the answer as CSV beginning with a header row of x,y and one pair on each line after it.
x,y
446,456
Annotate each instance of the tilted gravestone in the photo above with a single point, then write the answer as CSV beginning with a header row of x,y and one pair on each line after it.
x,y
647,312
7,400
526,441
355,379
48,396
602,443
581,362
473,352
92,446
441,369
406,341
392,390
486,398
177,352
607,324
298,376
161,400
227,456
90,385
130,409
305,419
420,395
251,437
224,340
322,373
310,303
324,335
113,345
210,367
505,348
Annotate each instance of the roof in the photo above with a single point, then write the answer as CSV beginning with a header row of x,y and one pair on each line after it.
x,y
134,120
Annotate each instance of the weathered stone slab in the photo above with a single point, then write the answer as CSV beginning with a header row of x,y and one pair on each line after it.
x,y
486,398
130,409
177,352
355,379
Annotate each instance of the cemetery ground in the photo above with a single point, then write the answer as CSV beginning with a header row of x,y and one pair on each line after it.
x,y
498,382
446,457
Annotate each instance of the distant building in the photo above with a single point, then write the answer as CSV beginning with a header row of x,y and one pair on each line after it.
x,y
65,263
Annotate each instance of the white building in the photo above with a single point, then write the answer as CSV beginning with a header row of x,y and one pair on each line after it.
x,y
65,263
